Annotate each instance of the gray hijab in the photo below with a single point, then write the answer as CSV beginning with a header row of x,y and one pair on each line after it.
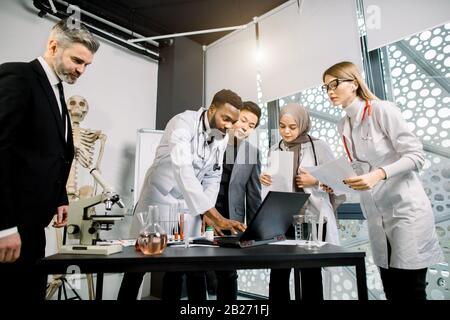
x,y
301,118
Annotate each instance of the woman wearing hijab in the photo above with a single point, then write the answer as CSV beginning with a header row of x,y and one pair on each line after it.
x,y
308,152
386,157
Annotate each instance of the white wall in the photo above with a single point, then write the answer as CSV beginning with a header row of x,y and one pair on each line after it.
x,y
231,64
299,44
295,48
120,87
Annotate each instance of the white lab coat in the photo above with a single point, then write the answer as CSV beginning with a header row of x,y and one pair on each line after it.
x,y
397,208
182,172
318,199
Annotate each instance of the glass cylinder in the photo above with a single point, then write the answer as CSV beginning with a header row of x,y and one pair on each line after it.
x,y
307,228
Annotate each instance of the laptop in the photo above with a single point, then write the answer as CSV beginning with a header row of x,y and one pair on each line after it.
x,y
270,223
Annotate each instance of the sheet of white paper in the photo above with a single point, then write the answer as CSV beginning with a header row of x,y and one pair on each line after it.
x,y
333,173
192,245
280,168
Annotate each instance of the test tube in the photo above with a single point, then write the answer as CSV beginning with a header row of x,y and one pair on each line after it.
x,y
186,231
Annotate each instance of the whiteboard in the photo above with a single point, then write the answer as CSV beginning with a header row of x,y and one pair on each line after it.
x,y
146,145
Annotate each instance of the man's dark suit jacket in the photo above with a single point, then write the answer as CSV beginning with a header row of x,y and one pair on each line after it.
x,y
244,193
35,158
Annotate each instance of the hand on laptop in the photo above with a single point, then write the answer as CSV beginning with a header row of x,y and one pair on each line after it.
x,y
205,223
213,218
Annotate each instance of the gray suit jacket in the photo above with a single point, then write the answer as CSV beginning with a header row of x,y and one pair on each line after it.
x,y
244,195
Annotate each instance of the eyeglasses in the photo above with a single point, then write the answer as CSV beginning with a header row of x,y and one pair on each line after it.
x,y
333,84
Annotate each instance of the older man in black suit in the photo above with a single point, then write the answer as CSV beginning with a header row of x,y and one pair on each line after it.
x,y
36,152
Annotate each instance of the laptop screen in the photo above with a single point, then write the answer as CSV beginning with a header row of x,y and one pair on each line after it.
x,y
274,215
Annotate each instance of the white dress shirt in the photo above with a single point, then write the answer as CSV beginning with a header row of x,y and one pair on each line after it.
x,y
54,80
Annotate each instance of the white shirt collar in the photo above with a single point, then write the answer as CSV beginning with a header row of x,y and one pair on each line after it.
x,y
206,124
354,108
51,75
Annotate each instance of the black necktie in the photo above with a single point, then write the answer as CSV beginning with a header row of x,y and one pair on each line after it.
x,y
62,100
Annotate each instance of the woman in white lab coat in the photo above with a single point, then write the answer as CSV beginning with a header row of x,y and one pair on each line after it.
x,y
308,152
386,156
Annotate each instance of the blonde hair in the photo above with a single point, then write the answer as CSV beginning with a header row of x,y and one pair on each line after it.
x,y
348,70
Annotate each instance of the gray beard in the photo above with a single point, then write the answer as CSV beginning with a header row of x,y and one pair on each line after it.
x,y
215,132
61,73
64,77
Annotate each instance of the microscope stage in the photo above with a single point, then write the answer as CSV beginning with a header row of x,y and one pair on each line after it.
x,y
107,217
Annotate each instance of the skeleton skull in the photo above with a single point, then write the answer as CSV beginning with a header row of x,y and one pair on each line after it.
x,y
78,108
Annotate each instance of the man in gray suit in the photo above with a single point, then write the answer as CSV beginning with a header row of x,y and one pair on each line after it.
x,y
240,190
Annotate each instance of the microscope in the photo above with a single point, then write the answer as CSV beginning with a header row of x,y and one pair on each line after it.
x,y
85,225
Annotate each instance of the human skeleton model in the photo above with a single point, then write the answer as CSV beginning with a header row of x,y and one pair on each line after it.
x,y
84,141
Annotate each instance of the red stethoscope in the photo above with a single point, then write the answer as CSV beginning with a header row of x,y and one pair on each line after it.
x,y
368,111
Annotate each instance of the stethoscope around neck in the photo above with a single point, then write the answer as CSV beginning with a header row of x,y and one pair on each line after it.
x,y
201,153
367,110
312,145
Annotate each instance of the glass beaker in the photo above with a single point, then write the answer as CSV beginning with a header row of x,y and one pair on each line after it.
x,y
152,239
307,229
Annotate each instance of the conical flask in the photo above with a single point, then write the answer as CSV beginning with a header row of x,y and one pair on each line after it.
x,y
152,237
